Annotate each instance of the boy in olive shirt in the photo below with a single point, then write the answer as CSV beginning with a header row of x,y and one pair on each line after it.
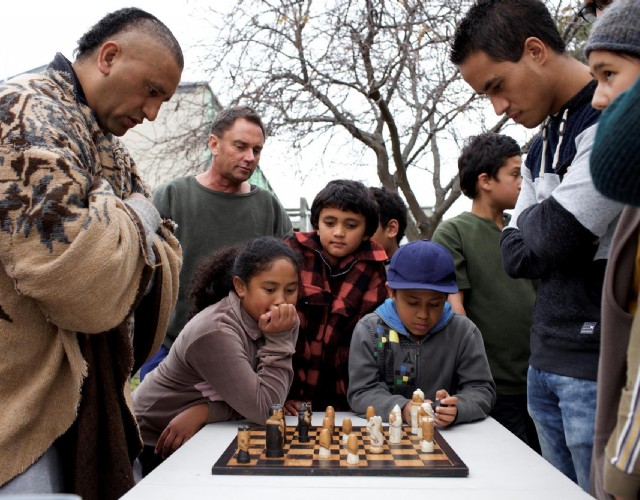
x,y
501,307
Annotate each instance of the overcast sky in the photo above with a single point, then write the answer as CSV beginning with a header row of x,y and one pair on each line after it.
x,y
34,30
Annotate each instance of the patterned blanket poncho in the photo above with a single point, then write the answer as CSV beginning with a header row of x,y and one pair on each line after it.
x,y
74,269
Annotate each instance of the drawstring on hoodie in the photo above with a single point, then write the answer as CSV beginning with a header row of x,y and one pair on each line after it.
x,y
556,157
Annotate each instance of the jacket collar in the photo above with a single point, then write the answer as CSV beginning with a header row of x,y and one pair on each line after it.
x,y
368,250
389,314
61,63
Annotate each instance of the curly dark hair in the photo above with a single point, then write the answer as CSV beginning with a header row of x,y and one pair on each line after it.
x,y
213,277
484,154
499,28
124,20
348,195
391,207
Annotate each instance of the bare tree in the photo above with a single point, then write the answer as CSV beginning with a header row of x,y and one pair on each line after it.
x,y
376,71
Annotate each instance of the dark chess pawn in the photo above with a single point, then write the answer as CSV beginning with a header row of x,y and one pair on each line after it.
x,y
244,443
275,439
304,423
277,413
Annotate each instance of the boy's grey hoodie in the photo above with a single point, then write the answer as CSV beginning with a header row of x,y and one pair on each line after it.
x,y
387,363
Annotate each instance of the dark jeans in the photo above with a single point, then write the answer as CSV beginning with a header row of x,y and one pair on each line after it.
x,y
563,409
511,412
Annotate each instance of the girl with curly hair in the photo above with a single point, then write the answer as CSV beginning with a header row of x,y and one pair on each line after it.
x,y
232,360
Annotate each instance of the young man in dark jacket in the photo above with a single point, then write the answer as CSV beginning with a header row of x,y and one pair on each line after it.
x,y
561,227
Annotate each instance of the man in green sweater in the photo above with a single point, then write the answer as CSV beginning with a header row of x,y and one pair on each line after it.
x,y
501,307
218,208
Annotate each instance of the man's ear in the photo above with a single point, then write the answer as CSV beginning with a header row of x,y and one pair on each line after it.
x,y
536,50
213,144
392,229
106,56
240,286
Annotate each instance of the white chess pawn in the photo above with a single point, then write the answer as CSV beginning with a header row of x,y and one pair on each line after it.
x,y
416,401
376,439
426,444
324,441
425,410
347,427
395,425
352,449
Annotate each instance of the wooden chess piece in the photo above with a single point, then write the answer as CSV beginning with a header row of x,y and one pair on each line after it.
x,y
416,401
426,444
331,415
277,413
324,442
425,410
244,443
352,449
371,411
326,424
304,423
395,425
376,439
274,439
347,427
309,409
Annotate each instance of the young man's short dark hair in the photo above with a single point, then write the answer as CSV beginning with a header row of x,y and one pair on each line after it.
x,y
500,27
484,154
347,195
391,207
225,119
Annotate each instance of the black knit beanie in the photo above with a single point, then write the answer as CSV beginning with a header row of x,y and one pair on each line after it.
x,y
617,30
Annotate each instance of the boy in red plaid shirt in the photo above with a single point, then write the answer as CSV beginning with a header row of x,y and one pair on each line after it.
x,y
342,279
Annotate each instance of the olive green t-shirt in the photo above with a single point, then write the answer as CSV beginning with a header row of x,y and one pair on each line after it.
x,y
500,306
211,220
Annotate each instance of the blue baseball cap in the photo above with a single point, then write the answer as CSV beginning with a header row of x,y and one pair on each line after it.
x,y
422,265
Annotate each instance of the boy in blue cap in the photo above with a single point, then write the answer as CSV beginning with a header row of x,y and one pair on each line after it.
x,y
415,341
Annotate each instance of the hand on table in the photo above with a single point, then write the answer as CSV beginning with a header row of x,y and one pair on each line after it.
x,y
182,428
448,410
291,407
406,412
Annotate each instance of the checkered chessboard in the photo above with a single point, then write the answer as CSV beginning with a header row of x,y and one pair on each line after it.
x,y
402,459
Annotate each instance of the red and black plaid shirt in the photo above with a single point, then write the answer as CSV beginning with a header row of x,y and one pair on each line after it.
x,y
330,303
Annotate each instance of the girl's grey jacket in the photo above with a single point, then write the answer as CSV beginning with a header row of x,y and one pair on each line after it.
x,y
387,363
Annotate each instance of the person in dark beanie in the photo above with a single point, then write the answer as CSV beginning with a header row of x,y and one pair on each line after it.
x,y
616,148
613,51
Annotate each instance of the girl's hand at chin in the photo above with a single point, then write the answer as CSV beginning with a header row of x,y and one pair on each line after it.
x,y
279,319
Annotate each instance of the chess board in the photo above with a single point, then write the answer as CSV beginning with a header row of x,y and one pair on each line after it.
x,y
302,459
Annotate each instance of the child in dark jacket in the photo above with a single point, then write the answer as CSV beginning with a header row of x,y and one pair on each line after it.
x,y
342,279
415,341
